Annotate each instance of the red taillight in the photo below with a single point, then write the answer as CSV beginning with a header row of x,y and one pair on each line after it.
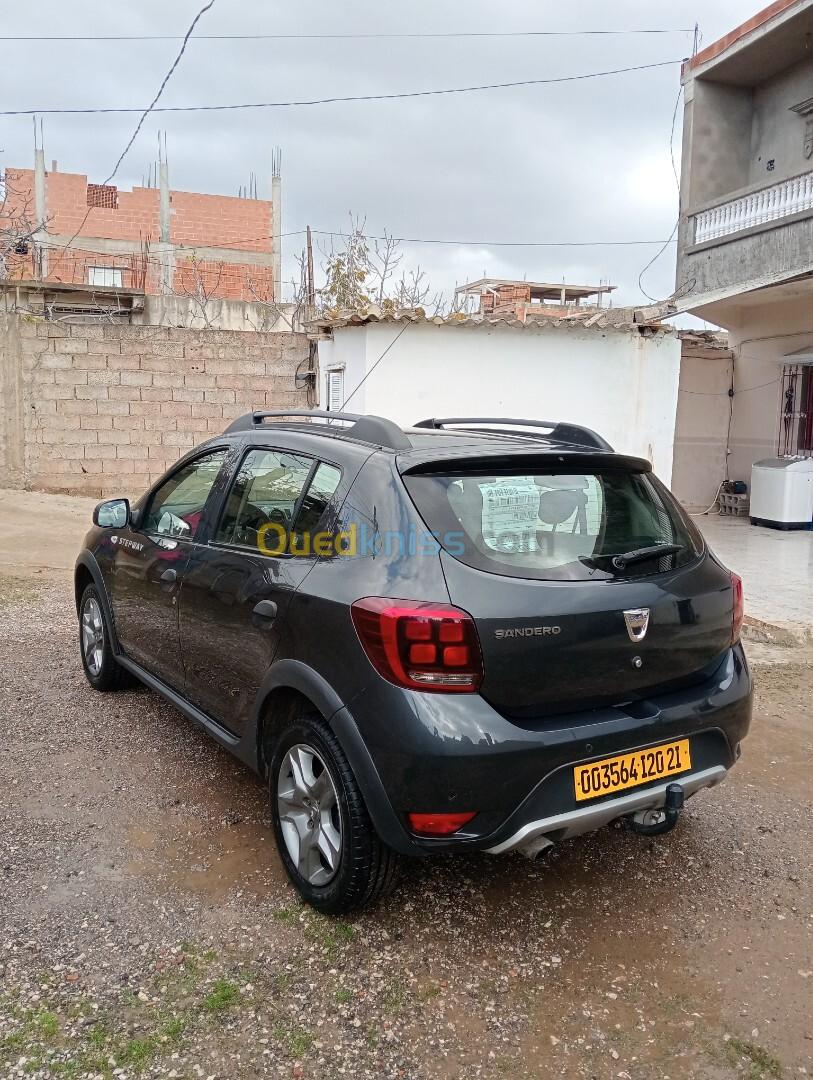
x,y
739,608
420,645
438,824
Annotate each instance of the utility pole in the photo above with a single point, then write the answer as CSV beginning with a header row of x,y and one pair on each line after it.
x,y
313,349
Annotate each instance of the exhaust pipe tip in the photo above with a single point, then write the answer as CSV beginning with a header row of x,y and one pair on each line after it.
x,y
536,847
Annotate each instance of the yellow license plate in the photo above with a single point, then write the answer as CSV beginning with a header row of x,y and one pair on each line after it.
x,y
630,770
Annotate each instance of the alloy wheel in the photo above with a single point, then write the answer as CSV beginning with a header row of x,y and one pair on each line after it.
x,y
308,807
93,635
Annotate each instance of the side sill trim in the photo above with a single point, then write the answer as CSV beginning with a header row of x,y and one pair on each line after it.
x,y
589,818
221,734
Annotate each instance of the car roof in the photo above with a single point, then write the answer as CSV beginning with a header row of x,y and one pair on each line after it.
x,y
432,434
423,447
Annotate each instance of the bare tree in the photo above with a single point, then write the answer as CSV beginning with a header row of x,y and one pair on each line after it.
x,y
363,272
202,285
270,312
17,227
414,291
383,262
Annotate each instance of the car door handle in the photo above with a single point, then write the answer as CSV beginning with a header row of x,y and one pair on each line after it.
x,y
169,577
265,612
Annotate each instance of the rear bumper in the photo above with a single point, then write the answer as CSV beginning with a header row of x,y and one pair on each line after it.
x,y
589,818
453,753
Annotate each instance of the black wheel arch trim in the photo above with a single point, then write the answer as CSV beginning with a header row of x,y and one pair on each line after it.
x,y
289,674
87,561
385,820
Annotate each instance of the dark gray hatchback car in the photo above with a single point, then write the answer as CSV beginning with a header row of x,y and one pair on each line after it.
x,y
472,634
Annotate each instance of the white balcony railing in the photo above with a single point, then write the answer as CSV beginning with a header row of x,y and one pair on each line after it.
x,y
768,204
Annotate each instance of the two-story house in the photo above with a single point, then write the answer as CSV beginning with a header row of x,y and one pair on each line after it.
x,y
745,246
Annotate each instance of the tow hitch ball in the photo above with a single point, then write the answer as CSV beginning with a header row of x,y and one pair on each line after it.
x,y
653,822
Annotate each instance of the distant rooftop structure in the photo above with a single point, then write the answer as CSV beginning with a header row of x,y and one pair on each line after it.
x,y
504,296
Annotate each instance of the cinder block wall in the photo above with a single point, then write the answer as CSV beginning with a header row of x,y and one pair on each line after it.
x,y
102,410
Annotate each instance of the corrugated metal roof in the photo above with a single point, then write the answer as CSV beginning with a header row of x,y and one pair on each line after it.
x,y
619,319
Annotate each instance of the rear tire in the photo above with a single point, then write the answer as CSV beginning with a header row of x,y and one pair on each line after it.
x,y
326,840
102,670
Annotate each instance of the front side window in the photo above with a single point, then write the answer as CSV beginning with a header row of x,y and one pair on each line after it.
x,y
558,526
263,499
177,505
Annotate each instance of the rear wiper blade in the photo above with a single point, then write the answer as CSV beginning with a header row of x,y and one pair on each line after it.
x,y
620,562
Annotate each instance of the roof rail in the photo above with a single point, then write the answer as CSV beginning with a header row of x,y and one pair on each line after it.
x,y
574,434
370,429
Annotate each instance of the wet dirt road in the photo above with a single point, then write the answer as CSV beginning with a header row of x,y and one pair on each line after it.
x,y
147,929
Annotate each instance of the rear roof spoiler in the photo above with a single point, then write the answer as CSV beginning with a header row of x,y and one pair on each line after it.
x,y
558,431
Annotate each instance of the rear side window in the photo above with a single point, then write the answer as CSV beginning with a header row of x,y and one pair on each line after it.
x,y
264,495
317,498
557,526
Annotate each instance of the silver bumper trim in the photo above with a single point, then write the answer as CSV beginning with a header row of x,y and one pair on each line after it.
x,y
589,818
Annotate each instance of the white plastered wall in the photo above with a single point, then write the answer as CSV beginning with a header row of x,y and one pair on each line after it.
x,y
623,384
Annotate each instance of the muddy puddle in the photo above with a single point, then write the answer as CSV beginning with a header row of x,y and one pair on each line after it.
x,y
214,863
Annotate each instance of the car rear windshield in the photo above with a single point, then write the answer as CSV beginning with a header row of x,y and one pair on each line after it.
x,y
557,525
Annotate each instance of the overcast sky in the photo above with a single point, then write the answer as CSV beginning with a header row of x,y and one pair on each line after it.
x,y
582,161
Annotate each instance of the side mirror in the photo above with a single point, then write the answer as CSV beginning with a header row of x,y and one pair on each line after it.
x,y
113,514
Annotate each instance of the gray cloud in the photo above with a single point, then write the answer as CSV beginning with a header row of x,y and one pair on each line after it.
x,y
577,161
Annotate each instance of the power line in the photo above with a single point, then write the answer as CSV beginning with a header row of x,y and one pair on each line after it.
x,y
337,100
234,245
503,243
359,385
160,91
144,114
346,37
666,243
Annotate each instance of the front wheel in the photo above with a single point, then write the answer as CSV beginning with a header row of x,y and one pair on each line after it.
x,y
328,845
101,668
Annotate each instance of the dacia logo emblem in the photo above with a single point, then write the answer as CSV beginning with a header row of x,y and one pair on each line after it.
x,y
637,620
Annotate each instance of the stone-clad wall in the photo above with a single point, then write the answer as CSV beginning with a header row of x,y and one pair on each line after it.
x,y
105,409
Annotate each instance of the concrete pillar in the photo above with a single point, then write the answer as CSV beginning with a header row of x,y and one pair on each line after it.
x,y
40,215
166,250
276,213
12,405
163,202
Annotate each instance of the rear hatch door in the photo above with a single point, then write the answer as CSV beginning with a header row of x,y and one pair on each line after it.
x,y
588,584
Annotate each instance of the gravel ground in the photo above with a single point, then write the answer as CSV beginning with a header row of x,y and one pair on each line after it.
x,y
147,929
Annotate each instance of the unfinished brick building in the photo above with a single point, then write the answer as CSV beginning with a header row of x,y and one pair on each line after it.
x,y
510,299
150,239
